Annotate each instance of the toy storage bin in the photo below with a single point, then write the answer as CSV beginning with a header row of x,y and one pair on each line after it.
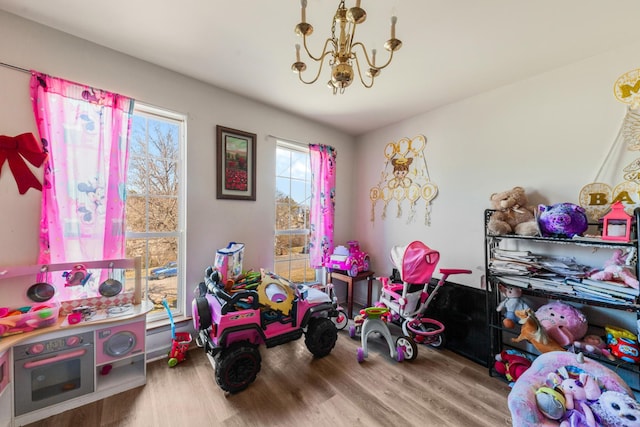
x,y
28,318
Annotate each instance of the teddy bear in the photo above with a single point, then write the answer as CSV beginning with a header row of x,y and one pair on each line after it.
x,y
510,304
616,269
512,215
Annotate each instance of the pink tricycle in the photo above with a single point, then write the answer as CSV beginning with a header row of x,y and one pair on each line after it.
x,y
407,301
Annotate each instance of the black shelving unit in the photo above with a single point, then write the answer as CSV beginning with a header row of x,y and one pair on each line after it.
x,y
500,336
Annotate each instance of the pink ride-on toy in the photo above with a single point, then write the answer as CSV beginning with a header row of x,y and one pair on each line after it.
x,y
375,320
416,263
179,341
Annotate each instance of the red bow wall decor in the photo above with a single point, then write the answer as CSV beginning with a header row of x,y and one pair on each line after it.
x,y
16,149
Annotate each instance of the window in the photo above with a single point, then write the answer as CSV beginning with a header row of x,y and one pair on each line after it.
x,y
293,196
155,204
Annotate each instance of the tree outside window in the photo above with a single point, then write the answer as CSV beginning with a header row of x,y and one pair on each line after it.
x,y
154,214
293,195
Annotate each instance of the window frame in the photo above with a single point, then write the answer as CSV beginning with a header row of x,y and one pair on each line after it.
x,y
300,148
158,113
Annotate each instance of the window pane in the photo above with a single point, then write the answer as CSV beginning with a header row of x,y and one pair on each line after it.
x,y
136,214
299,191
283,217
153,203
163,214
159,267
163,177
293,189
299,165
283,247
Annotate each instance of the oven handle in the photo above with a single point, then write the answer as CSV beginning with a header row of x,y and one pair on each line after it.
x,y
56,358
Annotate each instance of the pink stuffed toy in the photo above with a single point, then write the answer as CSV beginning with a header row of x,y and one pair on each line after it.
x,y
562,322
578,389
616,269
594,344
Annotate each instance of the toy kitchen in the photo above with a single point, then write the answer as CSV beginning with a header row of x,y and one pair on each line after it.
x,y
70,334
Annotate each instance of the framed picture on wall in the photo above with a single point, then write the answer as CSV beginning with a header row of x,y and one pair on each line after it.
x,y
236,164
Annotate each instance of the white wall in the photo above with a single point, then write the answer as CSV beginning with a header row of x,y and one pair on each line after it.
x,y
211,223
548,134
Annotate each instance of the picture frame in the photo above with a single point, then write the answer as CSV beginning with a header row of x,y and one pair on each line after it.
x,y
236,164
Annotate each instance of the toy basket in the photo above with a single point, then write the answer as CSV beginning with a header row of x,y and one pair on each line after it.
x,y
28,318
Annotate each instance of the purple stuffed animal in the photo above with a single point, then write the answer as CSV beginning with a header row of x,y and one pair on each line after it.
x,y
562,220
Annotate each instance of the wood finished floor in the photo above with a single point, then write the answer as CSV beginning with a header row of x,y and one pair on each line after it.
x,y
438,388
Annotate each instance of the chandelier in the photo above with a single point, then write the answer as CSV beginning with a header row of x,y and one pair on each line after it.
x,y
341,49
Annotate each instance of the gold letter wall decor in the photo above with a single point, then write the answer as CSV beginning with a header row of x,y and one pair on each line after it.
x,y
405,176
619,176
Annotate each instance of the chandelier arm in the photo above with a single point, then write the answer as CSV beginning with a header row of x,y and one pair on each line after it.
x,y
324,49
366,55
355,58
380,67
315,79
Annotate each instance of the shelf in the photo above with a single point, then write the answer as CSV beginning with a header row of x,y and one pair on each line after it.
x,y
606,311
580,300
577,241
123,372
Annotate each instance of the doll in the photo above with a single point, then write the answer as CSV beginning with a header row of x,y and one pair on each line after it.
x,y
512,301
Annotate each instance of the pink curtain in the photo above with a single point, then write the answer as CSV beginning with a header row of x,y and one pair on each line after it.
x,y
323,191
86,133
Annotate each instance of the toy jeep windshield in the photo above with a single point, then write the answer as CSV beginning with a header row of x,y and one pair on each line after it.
x,y
231,324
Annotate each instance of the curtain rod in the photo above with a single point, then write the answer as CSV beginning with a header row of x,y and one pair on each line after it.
x,y
290,141
15,67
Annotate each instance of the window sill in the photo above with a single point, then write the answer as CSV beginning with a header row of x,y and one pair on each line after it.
x,y
161,323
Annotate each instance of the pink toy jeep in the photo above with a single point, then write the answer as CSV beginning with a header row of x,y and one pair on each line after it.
x,y
351,259
232,325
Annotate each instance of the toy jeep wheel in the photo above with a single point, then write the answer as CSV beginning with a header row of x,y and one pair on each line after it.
x,y
237,366
321,336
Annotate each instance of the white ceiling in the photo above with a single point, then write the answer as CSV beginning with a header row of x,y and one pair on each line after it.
x,y
452,49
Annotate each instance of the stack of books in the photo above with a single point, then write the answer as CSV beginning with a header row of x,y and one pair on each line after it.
x,y
556,274
603,290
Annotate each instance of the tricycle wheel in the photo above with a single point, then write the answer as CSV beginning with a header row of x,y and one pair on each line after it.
x,y
436,341
352,331
409,347
237,366
321,336
172,362
341,320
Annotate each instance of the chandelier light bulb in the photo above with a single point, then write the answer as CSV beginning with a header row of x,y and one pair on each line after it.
x,y
394,19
